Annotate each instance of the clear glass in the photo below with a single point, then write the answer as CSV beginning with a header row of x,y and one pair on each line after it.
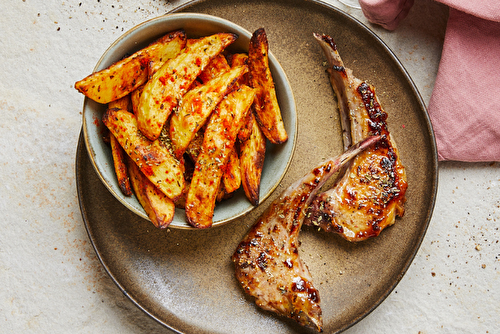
x,y
351,3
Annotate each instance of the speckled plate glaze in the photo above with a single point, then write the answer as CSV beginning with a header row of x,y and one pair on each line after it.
x,y
184,279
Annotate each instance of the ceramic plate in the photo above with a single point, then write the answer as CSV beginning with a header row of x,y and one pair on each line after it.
x,y
184,279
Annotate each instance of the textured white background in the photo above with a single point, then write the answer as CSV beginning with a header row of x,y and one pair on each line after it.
x,y
50,278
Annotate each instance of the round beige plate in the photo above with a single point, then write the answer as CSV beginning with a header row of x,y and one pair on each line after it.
x,y
184,279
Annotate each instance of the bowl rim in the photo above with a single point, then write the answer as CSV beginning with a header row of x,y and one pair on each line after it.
x,y
276,68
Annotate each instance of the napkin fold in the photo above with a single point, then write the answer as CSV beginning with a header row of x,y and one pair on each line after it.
x,y
387,13
464,107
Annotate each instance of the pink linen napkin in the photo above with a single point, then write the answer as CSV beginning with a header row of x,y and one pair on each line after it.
x,y
465,104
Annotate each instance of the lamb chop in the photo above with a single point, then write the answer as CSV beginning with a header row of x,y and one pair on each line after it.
x,y
370,193
267,260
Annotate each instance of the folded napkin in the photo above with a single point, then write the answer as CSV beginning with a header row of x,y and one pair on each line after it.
x,y
465,103
464,107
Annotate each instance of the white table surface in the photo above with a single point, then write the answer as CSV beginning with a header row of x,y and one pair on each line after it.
x,y
50,278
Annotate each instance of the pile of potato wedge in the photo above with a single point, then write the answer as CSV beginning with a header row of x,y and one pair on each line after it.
x,y
188,122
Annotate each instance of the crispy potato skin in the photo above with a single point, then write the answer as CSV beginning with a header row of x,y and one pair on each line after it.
x,y
153,159
120,166
159,208
124,76
197,105
232,175
240,59
219,140
252,148
119,156
167,86
267,110
252,155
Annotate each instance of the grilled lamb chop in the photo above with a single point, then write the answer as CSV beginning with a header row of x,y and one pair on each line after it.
x,y
369,195
267,260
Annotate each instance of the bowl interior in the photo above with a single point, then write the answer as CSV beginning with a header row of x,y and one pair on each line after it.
x,y
278,157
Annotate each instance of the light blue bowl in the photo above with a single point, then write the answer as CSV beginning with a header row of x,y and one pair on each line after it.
x,y
278,157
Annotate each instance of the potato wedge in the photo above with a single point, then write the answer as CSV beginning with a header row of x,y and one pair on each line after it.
x,y
167,86
219,139
216,67
172,50
246,129
253,148
126,75
197,105
239,59
134,98
159,208
117,152
232,175
153,159
120,166
267,110
252,154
